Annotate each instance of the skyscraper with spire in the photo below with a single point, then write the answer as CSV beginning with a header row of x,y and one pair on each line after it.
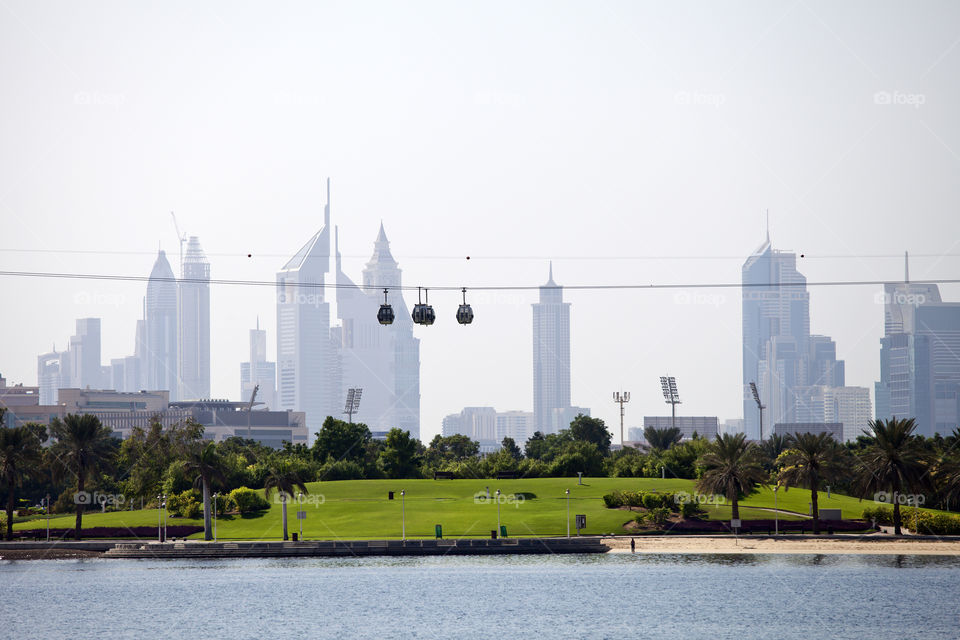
x,y
382,360
159,367
551,357
779,354
259,371
194,308
919,357
306,357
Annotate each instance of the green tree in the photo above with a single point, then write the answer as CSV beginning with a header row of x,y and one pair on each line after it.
x,y
339,440
578,456
587,429
894,462
510,446
83,446
285,479
772,447
731,468
399,457
206,467
660,440
809,461
20,459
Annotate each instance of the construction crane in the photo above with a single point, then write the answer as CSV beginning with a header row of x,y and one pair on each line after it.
x,y
181,237
253,396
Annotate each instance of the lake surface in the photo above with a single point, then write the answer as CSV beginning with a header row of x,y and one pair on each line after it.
x,y
609,596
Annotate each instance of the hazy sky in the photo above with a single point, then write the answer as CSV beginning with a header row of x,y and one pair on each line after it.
x,y
630,142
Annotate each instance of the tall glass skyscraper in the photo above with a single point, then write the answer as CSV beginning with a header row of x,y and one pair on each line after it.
x,y
160,315
551,356
919,357
194,357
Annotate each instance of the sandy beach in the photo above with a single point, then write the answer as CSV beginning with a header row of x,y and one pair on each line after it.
x,y
728,544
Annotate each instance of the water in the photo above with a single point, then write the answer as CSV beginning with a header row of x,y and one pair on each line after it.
x,y
610,596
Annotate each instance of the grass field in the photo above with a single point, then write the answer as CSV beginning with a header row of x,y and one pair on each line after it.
x,y
359,509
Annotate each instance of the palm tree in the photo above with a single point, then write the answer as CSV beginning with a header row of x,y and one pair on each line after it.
x,y
82,446
204,461
894,462
285,479
809,460
661,439
732,468
20,459
772,447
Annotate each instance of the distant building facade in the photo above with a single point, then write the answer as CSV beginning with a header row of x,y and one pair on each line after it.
x,y
194,329
259,372
919,358
703,426
779,354
835,429
160,316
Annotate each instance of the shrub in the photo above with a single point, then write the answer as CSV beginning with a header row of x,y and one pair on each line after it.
x,y
184,504
658,516
612,500
883,515
223,503
652,500
926,523
340,470
248,500
690,509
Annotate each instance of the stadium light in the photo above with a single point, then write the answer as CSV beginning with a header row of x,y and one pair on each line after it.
x,y
671,396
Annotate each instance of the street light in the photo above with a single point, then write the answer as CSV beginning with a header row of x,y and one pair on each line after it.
x,y
568,513
159,519
671,396
403,514
776,514
621,398
215,496
498,512
300,513
165,514
756,398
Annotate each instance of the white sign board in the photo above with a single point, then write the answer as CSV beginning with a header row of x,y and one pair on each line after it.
x,y
301,515
735,524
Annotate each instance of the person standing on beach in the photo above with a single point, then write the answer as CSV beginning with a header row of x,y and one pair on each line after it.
x,y
633,545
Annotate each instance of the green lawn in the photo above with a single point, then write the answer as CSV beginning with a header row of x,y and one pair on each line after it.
x,y
359,509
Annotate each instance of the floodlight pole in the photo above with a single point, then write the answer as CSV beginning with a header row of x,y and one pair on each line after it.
x,y
621,398
671,396
756,398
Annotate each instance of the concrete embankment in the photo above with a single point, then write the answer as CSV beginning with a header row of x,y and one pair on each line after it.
x,y
354,548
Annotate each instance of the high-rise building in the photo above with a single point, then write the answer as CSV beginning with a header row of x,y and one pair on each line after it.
x,y
306,357
515,424
160,323
848,406
85,354
53,374
258,371
383,360
779,354
919,357
551,356
194,334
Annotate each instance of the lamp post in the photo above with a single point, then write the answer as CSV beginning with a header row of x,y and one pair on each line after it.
x,y
671,396
215,496
47,510
776,514
621,398
159,519
165,517
756,398
300,512
403,514
568,513
498,512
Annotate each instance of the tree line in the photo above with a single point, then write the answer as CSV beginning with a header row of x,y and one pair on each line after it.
x,y
79,457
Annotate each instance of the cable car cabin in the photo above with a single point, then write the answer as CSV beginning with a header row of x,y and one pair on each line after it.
x,y
464,314
423,314
385,315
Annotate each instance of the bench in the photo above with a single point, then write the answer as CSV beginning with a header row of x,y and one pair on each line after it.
x,y
507,475
443,475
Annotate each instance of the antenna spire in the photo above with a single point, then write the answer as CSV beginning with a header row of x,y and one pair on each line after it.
x,y
768,226
906,267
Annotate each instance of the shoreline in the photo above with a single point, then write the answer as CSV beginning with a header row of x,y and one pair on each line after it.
x,y
859,545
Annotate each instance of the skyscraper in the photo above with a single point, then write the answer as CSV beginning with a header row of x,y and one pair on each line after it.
x,y
551,356
160,323
194,337
919,357
258,371
306,358
779,354
382,360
